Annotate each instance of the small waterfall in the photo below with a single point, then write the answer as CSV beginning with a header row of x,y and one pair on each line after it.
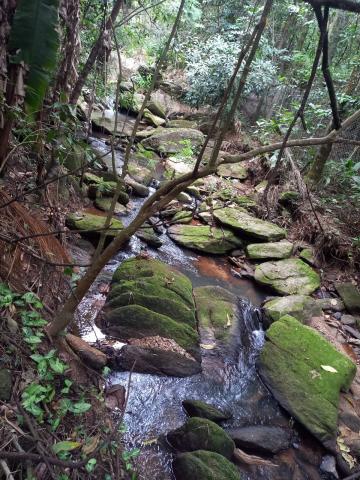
x,y
251,335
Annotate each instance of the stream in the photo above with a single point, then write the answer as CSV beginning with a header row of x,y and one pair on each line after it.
x,y
228,380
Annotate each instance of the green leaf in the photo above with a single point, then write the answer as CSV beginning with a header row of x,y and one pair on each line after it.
x,y
65,446
80,407
57,366
91,464
34,40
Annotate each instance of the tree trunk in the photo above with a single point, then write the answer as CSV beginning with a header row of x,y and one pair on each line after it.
x,y
95,51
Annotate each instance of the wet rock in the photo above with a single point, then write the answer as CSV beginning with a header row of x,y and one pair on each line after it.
x,y
184,198
288,277
248,225
216,311
197,408
305,373
258,251
171,140
200,434
99,187
91,225
148,236
354,333
92,356
136,187
5,384
204,238
261,439
182,217
328,466
153,119
348,320
232,170
307,254
149,298
204,465
156,361
333,304
350,296
301,307
104,204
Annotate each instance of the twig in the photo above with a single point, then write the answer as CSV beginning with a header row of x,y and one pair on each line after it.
x,y
313,209
34,457
6,470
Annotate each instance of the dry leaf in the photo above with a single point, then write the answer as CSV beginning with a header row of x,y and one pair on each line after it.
x,y
151,441
206,346
328,368
228,323
91,445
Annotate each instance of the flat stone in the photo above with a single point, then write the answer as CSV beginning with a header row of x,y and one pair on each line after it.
x,y
301,307
261,439
197,408
136,187
152,119
248,225
258,251
353,332
333,304
91,225
232,170
104,204
307,254
173,140
288,277
305,373
348,320
350,296
204,238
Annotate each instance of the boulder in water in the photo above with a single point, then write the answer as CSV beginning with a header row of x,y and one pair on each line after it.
x,y
288,277
301,307
197,408
261,438
173,140
244,223
260,251
204,238
305,373
91,225
200,434
204,465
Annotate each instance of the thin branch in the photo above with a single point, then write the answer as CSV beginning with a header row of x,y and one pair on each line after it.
x,y
34,457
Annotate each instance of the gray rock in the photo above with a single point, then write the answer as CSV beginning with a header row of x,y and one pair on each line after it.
x,y
348,319
197,408
278,250
261,439
333,304
5,384
328,465
350,296
301,307
137,188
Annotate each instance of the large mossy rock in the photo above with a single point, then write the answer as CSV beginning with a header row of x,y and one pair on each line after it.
x,y
152,119
204,238
91,225
104,203
248,225
156,108
216,311
350,295
201,434
288,277
173,140
148,298
301,307
305,373
197,408
232,170
204,465
261,251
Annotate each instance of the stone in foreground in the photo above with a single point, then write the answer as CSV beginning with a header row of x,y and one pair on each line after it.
x,y
288,277
305,373
204,465
350,295
278,250
261,438
173,140
244,223
91,225
204,238
301,307
197,408
201,434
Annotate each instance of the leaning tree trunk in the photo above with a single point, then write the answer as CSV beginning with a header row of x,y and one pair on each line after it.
x,y
95,52
70,49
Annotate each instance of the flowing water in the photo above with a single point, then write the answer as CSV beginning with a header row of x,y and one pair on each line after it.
x,y
228,380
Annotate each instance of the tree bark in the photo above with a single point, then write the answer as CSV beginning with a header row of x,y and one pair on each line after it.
x,y
95,51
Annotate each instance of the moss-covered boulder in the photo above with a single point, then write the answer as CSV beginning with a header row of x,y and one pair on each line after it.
x,y
350,295
204,465
91,225
182,217
100,187
204,238
301,307
173,140
307,254
104,203
152,119
216,312
288,277
181,123
197,408
156,108
305,373
260,251
201,434
233,170
244,223
148,299
147,235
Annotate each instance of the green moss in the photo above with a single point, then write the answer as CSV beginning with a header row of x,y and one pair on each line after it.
x,y
182,217
135,321
269,250
201,434
93,224
197,408
203,465
291,364
177,310
105,204
301,307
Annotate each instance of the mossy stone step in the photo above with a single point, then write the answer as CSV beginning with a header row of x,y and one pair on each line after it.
x,y
261,251
301,307
204,465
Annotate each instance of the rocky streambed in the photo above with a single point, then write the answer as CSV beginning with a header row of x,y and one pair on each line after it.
x,y
188,326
